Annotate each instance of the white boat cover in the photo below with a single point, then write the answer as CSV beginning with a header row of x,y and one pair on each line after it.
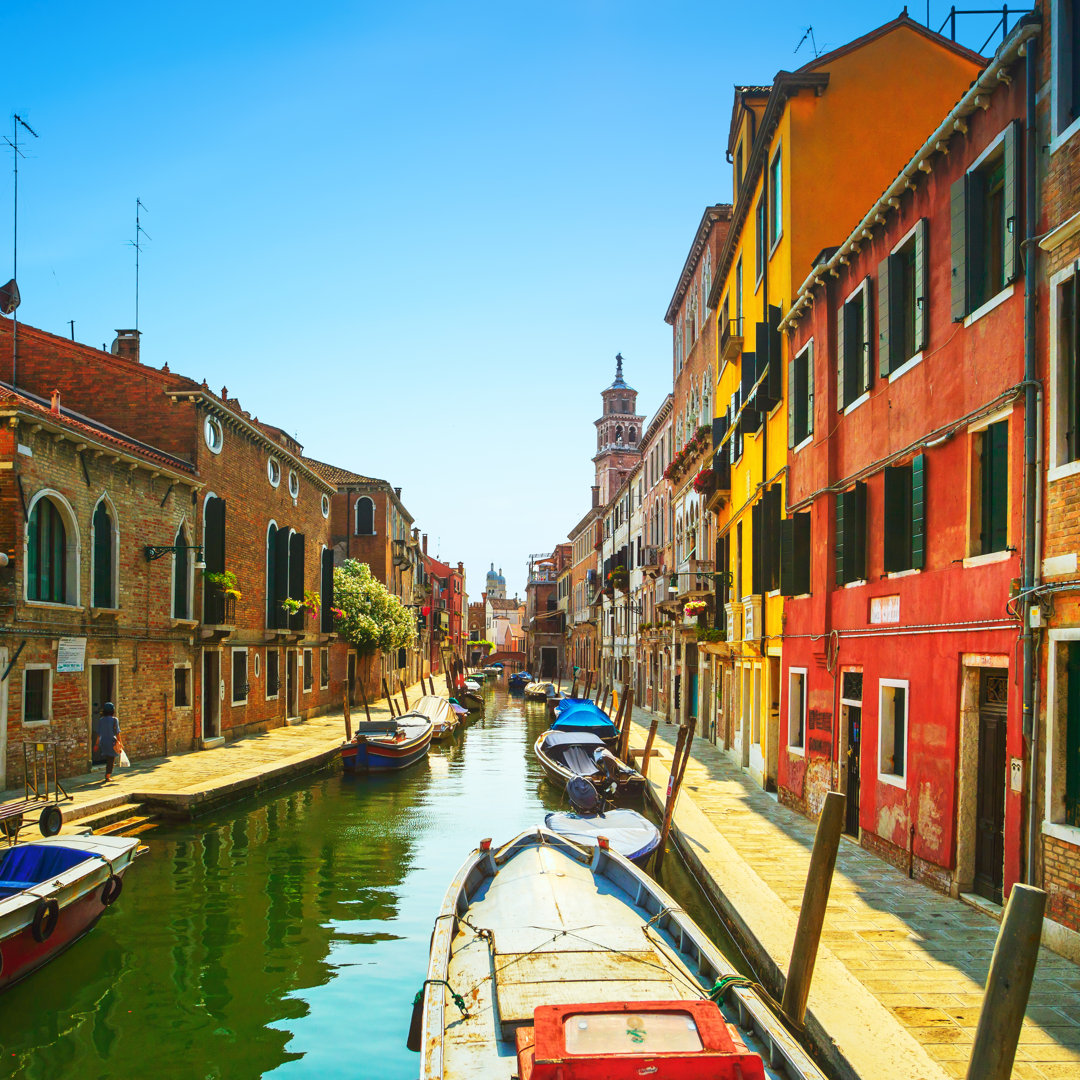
x,y
630,834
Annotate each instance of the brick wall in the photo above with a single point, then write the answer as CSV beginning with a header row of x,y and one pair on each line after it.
x,y
1061,880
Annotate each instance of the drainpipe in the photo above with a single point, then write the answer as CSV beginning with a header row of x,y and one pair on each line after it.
x,y
1032,476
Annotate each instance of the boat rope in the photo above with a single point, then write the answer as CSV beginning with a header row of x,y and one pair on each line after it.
x,y
459,1001
673,909
480,931
725,983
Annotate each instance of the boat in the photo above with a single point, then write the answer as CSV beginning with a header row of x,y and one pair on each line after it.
x,y
492,670
581,714
478,676
517,681
440,712
381,745
540,690
53,891
471,701
568,755
548,961
629,833
472,686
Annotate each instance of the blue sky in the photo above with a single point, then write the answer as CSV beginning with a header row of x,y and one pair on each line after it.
x,y
414,234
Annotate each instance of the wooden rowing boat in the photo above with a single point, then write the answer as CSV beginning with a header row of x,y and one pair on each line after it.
x,y
564,755
384,745
551,961
629,833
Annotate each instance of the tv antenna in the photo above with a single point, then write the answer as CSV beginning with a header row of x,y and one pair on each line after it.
x,y
809,33
140,232
9,294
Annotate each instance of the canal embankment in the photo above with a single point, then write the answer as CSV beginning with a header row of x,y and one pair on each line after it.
x,y
185,786
900,971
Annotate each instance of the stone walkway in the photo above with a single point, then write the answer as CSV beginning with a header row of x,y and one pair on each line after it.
x,y
187,784
900,974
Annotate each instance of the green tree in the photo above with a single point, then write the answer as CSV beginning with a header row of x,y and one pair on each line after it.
x,y
367,614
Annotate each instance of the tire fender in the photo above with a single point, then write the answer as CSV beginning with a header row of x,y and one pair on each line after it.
x,y
46,916
111,890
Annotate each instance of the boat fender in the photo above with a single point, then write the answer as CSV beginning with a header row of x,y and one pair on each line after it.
x,y
51,821
417,1020
46,916
111,890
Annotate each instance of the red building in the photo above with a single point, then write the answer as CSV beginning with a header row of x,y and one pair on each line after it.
x,y
442,610
900,551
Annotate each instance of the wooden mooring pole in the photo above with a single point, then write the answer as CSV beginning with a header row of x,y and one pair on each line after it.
x,y
812,913
588,683
363,698
404,696
678,768
389,699
348,719
647,752
1012,967
627,708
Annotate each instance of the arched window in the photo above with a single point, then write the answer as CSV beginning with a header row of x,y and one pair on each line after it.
x,y
618,434
103,553
365,517
181,596
52,552
272,600
633,435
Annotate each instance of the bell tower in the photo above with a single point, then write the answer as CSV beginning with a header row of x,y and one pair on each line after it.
x,y
618,435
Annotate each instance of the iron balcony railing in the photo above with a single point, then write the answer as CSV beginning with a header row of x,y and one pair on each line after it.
x,y
731,338
695,575
219,609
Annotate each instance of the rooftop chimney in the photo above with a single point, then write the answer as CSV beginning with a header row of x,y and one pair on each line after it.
x,y
397,492
55,406
127,344
423,544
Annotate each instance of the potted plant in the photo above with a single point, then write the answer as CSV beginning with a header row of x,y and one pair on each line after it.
x,y
703,480
225,581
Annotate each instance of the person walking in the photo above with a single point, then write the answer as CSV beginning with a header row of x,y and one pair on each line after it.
x,y
108,745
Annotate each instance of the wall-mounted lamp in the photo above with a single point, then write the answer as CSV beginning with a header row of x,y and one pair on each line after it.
x,y
157,551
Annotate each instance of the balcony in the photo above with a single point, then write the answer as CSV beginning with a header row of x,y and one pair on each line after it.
x,y
695,578
400,553
650,558
718,490
731,339
219,612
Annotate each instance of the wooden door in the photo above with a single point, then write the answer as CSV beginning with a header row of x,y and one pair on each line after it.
x,y
990,784
211,693
851,787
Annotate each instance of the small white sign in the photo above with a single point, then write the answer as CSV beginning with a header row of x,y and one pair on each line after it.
x,y
884,609
71,654
1016,774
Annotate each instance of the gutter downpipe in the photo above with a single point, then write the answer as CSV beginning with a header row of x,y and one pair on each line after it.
x,y
1032,455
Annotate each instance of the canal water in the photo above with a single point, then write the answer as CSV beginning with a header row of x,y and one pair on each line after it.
x,y
287,936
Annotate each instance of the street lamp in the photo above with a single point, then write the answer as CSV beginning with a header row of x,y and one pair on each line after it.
x,y
156,551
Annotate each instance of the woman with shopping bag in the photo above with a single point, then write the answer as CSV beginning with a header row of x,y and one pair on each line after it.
x,y
108,745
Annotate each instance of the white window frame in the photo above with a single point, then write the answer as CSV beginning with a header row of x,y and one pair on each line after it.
x,y
324,666
324,505
809,437
266,682
190,584
114,522
233,699
864,288
211,424
916,357
1052,824
305,655
72,553
777,157
1059,138
1058,468
356,516
50,680
184,666
272,463
793,674
894,779
294,484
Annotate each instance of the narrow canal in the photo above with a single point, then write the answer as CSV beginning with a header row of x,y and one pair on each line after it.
x,y
287,936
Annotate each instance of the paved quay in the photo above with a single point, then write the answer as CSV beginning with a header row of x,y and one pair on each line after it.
x,y
901,969
186,785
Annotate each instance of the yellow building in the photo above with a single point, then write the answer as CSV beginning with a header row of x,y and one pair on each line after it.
x,y
810,152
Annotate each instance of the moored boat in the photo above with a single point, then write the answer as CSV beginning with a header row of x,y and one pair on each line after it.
x,y
581,714
550,961
382,745
540,690
470,700
566,755
517,681
492,671
53,891
440,712
629,833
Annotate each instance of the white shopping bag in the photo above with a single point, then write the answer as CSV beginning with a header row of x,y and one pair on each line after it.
x,y
124,761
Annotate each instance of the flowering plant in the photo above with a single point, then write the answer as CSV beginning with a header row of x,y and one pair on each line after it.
x,y
703,480
226,581
372,618
696,607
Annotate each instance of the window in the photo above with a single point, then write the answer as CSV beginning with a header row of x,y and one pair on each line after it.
x,y
104,556
272,669
325,505
365,517
801,396
37,694
776,201
904,526
324,668
294,483
851,535
273,471
1063,751
985,226
326,591
1066,64
759,240
51,553
239,676
797,709
903,302
181,584
213,434
738,169
308,675
738,298
765,522
1065,368
181,687
795,555
853,347
892,731
990,489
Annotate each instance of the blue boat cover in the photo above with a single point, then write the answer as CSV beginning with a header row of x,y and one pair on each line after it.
x,y
582,715
571,738
31,864
628,832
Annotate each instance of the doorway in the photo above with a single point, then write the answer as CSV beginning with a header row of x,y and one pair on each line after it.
x,y
549,661
990,785
851,706
211,697
102,689
292,684
3,719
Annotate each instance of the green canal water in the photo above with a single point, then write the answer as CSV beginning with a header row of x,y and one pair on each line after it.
x,y
287,936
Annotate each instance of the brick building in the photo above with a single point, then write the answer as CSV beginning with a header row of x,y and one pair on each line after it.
x,y
581,626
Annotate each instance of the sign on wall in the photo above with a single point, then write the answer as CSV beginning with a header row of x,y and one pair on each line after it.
x,y
71,654
884,609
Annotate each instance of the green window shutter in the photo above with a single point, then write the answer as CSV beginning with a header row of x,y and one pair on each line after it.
x,y
776,509
56,565
883,313
180,608
271,574
791,404
281,579
756,518
774,382
809,354
995,487
801,554
103,558
841,319
326,588
296,577
855,526
787,557
958,224
1011,239
865,380
33,556
922,288
748,371
896,518
214,533
840,544
918,512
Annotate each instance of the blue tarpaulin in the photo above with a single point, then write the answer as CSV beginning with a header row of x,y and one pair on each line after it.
x,y
31,864
581,714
